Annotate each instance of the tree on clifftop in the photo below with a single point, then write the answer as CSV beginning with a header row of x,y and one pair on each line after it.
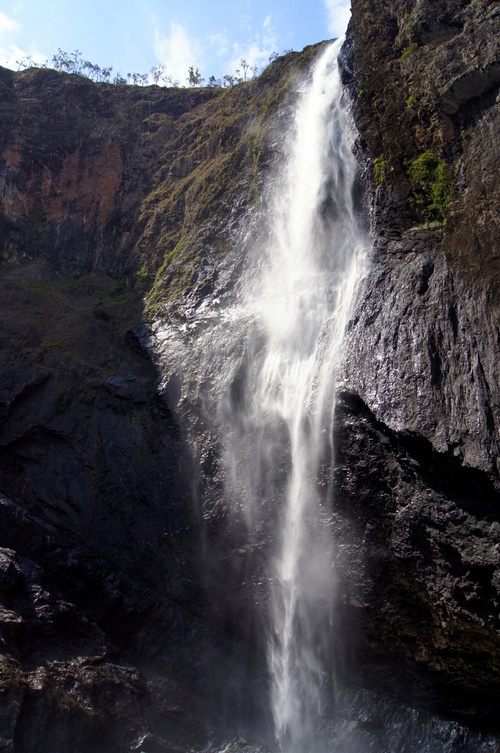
x,y
194,77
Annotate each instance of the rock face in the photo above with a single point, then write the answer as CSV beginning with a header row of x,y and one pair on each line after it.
x,y
105,640
96,522
73,185
124,205
418,424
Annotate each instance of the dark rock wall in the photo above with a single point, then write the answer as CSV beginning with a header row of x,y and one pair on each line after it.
x,y
98,545
105,641
418,504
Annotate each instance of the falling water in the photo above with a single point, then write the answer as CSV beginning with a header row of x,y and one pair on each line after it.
x,y
268,363
316,254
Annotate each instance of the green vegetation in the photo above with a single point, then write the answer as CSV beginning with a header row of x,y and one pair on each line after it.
x,y
379,165
54,322
431,180
194,77
210,168
410,100
78,294
408,51
174,278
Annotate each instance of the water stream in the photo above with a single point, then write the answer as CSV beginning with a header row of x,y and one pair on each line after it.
x,y
267,364
316,257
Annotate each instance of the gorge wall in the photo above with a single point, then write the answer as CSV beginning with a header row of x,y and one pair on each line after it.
x,y
119,206
421,375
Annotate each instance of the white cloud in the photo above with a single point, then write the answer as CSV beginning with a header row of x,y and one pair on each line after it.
x,y
7,24
256,51
10,52
220,43
177,52
339,13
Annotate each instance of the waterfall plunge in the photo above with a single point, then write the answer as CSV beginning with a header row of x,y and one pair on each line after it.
x,y
266,367
316,260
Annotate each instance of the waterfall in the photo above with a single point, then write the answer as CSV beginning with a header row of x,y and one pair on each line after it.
x,y
316,258
266,364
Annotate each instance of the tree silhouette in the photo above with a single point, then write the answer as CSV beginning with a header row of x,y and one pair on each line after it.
x,y
244,67
72,62
194,77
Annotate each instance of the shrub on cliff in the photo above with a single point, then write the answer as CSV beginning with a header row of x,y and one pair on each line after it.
x,y
431,182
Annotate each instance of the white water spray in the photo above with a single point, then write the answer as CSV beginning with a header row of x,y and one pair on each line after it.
x,y
269,365
316,260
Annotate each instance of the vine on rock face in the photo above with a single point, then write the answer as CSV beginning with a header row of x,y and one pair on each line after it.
x,y
431,180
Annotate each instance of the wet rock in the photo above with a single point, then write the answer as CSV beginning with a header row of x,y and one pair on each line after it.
x,y
472,84
418,536
412,351
10,573
418,481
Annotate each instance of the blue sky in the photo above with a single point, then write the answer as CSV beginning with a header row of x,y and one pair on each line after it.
x,y
137,35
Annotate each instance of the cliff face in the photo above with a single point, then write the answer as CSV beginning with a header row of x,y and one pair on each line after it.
x,y
119,202
78,160
427,83
419,418
109,193
128,181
